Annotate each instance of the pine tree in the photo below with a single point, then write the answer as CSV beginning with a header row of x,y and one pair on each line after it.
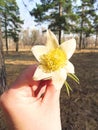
x,y
87,15
10,21
58,13
96,24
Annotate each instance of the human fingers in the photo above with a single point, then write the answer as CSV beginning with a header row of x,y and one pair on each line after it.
x,y
24,84
51,94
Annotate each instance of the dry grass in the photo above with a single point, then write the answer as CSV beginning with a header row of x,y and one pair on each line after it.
x,y
16,62
80,110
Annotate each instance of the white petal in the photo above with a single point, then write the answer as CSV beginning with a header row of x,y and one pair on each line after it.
x,y
52,41
40,74
39,50
59,78
69,47
69,67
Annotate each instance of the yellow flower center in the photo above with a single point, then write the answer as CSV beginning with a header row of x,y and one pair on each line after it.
x,y
53,60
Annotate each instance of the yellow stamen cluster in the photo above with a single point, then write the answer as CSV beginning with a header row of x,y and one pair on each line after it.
x,y
53,60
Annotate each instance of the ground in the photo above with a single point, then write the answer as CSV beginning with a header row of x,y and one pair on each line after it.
x,y
80,110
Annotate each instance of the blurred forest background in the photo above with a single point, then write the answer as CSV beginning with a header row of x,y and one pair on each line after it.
x,y
67,19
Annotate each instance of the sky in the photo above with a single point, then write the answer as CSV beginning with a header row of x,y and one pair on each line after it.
x,y
24,13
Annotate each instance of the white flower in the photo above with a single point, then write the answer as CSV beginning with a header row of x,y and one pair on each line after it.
x,y
54,60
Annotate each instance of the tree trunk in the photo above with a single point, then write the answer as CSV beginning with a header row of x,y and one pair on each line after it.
x,y
81,32
60,14
60,36
96,41
6,37
2,68
17,47
80,43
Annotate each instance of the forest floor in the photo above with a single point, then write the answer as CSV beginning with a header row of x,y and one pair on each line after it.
x,y
80,110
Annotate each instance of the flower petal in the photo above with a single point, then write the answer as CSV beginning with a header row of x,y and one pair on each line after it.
x,y
69,47
40,74
39,50
59,78
69,67
52,41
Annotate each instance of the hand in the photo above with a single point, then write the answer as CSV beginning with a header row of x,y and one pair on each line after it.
x,y
32,105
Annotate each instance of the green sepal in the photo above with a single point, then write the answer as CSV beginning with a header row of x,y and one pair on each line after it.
x,y
68,88
74,77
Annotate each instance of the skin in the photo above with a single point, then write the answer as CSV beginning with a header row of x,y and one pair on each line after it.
x,y
31,105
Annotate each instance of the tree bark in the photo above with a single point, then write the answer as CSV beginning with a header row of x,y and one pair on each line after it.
x,y
6,37
96,41
2,69
81,34
60,14
17,47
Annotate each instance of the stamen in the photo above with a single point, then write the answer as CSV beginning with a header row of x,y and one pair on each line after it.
x,y
53,60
